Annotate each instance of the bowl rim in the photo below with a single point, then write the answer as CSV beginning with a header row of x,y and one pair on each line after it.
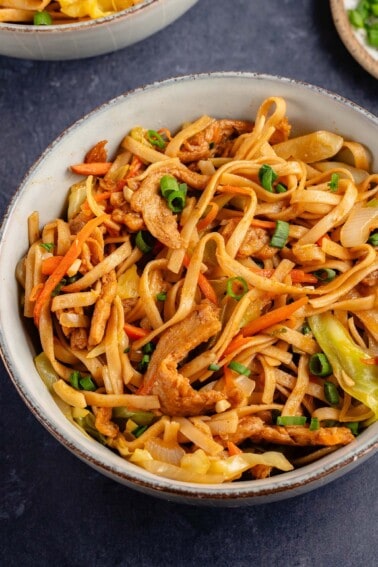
x,y
121,15
281,486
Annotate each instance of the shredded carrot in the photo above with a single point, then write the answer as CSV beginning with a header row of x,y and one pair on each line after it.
x,y
233,449
136,164
273,317
236,343
72,253
97,168
134,332
370,361
228,376
297,276
259,223
234,189
208,219
203,283
49,264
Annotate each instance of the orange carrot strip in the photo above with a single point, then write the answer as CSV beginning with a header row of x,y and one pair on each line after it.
x,y
72,253
237,342
228,376
203,283
297,276
233,449
134,332
49,264
208,219
96,168
371,361
273,317
136,164
234,189
259,223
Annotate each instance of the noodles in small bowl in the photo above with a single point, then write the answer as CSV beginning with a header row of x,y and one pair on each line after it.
x,y
201,288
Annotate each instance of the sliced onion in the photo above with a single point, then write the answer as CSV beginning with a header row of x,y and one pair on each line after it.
x,y
357,228
165,451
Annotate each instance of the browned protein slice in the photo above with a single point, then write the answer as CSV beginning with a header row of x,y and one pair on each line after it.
x,y
176,395
253,428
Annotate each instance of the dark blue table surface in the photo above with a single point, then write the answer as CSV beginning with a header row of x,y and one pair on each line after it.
x,y
54,509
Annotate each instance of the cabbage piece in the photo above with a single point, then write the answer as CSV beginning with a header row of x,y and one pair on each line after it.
x,y
346,358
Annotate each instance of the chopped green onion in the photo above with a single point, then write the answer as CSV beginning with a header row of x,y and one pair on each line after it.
x,y
49,246
329,423
168,184
325,275
280,235
139,430
354,426
58,287
176,201
86,383
148,348
143,364
334,182
280,188
319,365
213,367
372,37
75,379
126,350
162,296
144,241
373,239
331,393
356,19
291,420
240,283
239,368
155,139
140,417
267,175
305,329
42,19
314,424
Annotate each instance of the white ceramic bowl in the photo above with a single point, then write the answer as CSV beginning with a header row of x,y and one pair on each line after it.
x,y
45,187
92,37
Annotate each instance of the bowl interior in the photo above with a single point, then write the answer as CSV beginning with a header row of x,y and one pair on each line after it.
x,y
223,95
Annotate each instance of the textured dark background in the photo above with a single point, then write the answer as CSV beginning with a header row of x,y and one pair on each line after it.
x,y
55,510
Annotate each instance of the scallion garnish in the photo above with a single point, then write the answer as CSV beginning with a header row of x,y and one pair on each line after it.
x,y
49,246
325,275
126,350
213,367
42,19
139,430
240,284
280,235
155,139
162,296
267,175
305,329
75,379
354,426
86,383
143,364
319,365
314,424
58,287
144,241
280,188
334,182
331,393
148,348
291,420
176,201
168,184
373,239
239,368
